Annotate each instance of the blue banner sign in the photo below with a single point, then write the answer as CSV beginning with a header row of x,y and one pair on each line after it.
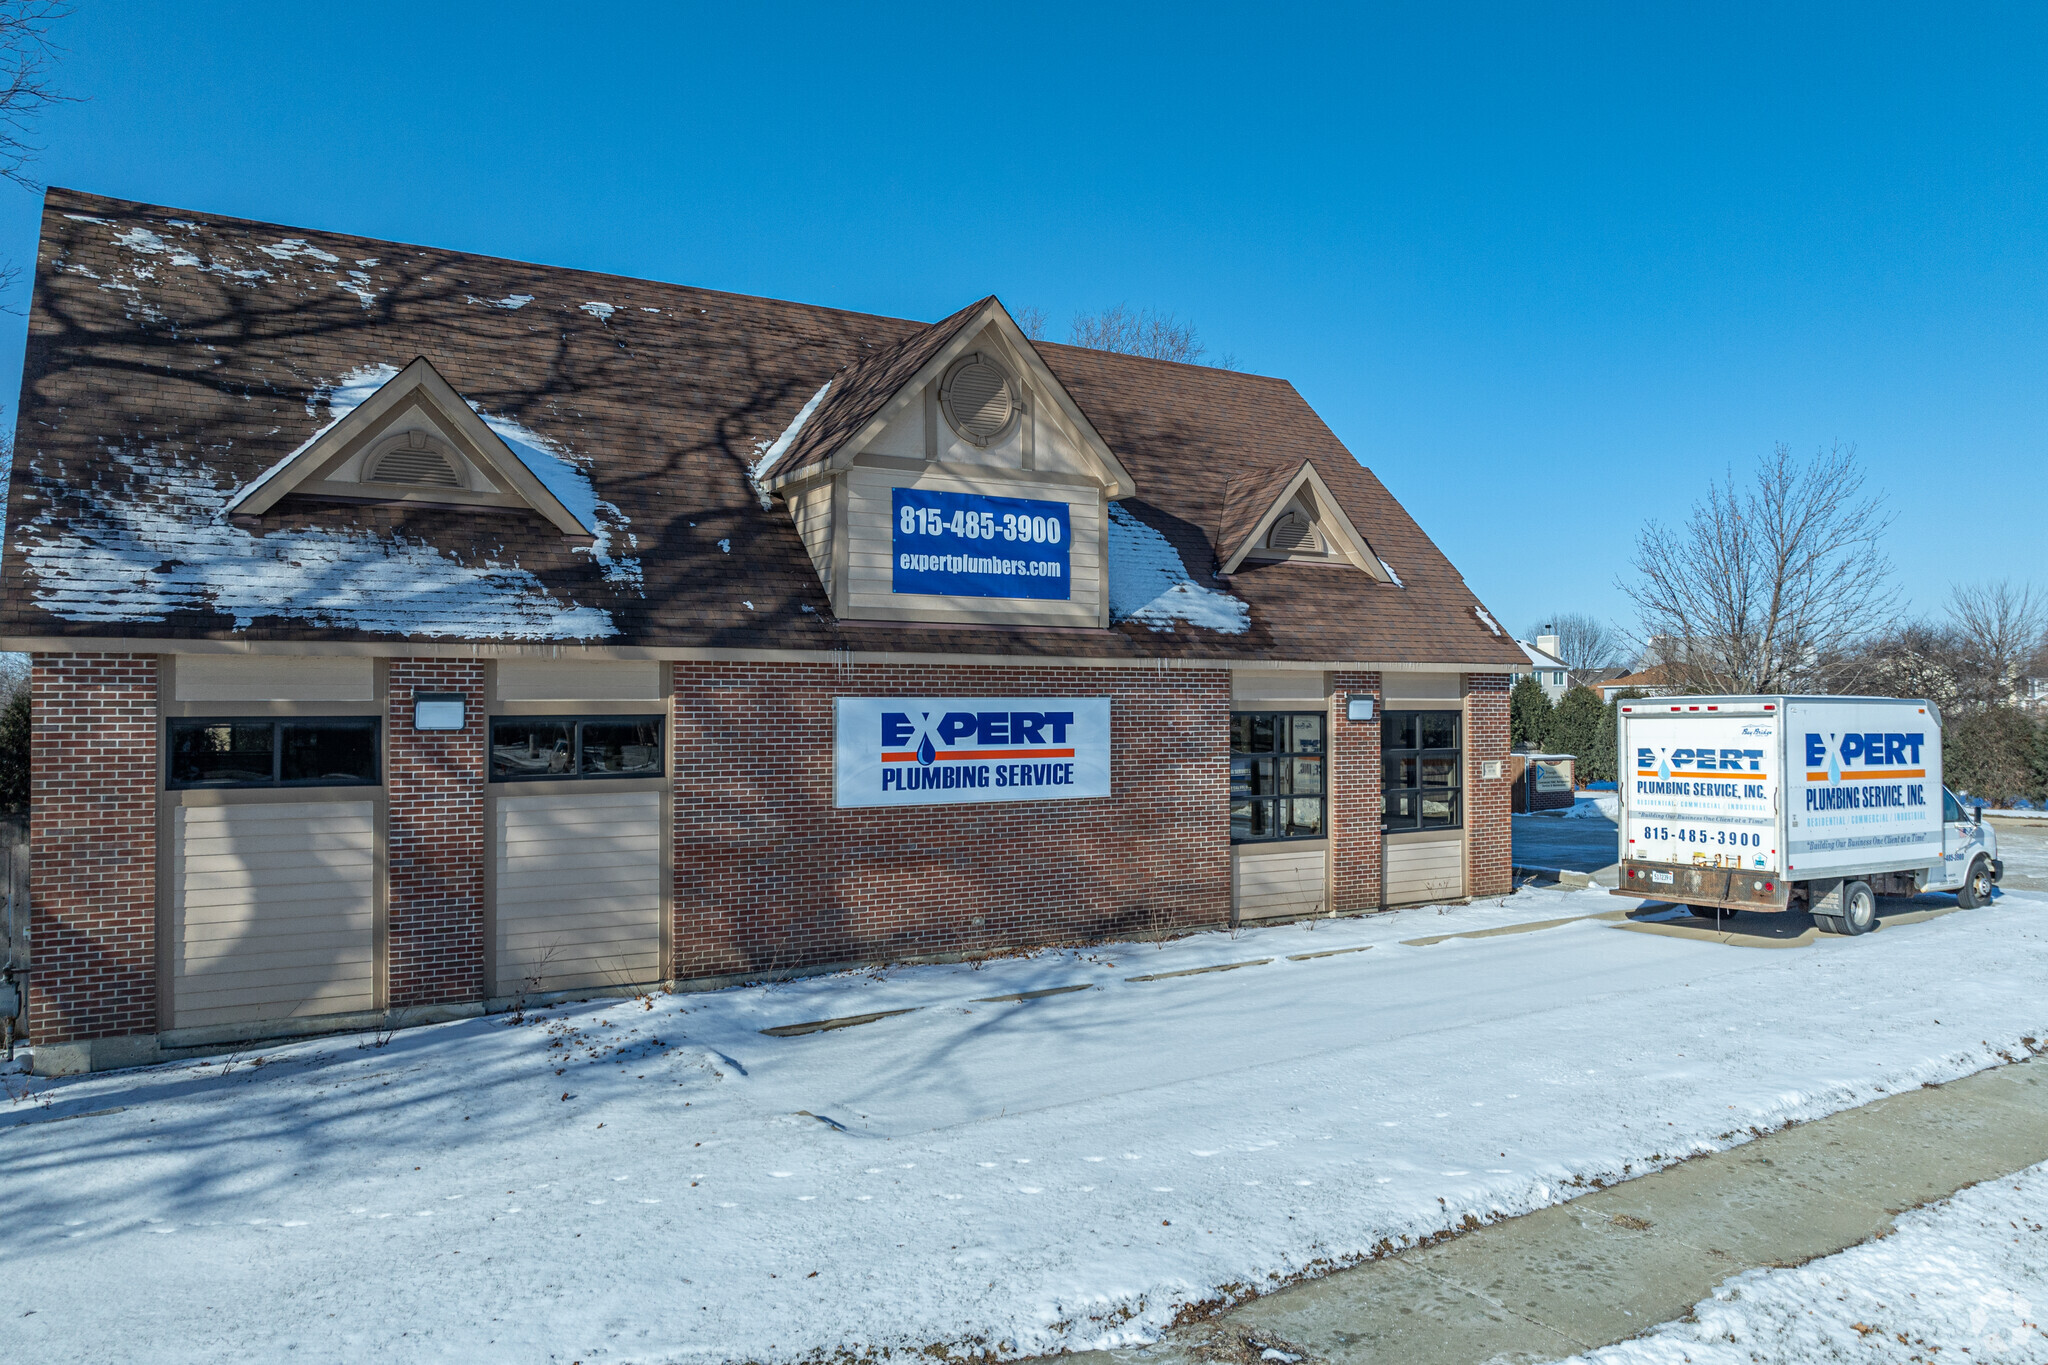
x,y
967,545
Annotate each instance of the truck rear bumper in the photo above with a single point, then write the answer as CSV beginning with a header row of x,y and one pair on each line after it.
x,y
1730,888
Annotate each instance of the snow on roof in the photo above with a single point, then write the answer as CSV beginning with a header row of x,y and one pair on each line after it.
x,y
1149,583
766,453
161,542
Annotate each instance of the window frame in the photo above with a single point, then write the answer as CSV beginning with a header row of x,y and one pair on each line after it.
x,y
1389,790
576,724
1322,756
277,780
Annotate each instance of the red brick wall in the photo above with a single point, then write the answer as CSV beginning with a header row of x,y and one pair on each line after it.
x,y
1355,799
92,832
770,875
1489,834
436,786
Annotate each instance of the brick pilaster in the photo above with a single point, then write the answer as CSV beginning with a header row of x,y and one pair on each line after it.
x,y
1489,830
1356,799
92,841
436,786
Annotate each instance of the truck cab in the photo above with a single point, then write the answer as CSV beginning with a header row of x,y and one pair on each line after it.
x,y
1969,854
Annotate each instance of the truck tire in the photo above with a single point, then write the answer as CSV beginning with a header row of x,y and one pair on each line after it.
x,y
1859,909
1976,887
1828,924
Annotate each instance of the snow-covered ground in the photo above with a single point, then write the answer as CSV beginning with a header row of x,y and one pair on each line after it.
x,y
1021,1176
1964,1279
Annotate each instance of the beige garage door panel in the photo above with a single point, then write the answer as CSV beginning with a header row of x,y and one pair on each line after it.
x,y
274,912
1424,871
578,890
1276,885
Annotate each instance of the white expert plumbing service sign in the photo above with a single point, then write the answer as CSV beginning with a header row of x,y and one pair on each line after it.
x,y
943,751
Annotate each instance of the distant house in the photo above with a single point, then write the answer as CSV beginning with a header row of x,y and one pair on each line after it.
x,y
1550,670
1655,681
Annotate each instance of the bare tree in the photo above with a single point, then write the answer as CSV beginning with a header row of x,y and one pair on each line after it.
x,y
1770,587
1585,643
1128,331
1998,631
1032,321
26,57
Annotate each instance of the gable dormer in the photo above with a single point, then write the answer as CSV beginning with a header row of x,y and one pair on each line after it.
x,y
952,479
1305,523
408,437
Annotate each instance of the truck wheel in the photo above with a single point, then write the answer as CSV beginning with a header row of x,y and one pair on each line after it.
x,y
1828,924
1976,888
1859,909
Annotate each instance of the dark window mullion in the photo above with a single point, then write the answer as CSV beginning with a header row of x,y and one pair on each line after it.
x,y
277,753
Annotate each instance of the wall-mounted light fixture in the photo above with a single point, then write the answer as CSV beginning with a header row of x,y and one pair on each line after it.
x,y
437,711
1358,708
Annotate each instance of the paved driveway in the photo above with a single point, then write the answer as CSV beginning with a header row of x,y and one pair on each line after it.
x,y
1570,843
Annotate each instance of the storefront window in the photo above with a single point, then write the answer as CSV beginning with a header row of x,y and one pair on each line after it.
x,y
1276,776
327,751
1422,758
526,748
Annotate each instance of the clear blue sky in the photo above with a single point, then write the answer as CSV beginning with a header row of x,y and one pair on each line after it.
x,y
1546,269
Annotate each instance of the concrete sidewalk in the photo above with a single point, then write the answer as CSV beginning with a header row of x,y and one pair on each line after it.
x,y
1620,1261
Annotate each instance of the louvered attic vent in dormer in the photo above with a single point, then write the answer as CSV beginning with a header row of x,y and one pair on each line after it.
x,y
1294,533
413,458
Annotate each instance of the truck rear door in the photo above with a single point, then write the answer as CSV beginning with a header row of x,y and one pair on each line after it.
x,y
1703,787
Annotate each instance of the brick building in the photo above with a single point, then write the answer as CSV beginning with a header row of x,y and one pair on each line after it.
x,y
415,633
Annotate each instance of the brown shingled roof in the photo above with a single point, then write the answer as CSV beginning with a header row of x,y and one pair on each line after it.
x,y
173,357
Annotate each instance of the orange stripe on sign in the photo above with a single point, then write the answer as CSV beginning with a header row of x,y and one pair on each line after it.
x,y
1871,774
955,755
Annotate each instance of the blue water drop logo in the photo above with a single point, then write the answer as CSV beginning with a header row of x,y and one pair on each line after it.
x,y
1664,764
925,752
1834,764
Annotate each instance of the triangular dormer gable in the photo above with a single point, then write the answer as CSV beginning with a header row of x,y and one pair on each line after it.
x,y
415,440
932,383
1306,522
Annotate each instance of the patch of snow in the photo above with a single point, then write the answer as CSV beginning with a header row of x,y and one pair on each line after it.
x,y
143,240
725,545
561,472
1964,1275
601,311
766,453
1149,583
645,309
1486,619
748,605
157,540
358,284
1391,574
1594,806
88,218
1583,1082
514,302
367,262
293,248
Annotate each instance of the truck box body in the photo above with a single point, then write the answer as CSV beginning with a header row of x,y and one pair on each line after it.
x,y
1776,790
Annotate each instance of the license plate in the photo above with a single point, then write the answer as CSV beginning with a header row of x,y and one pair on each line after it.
x,y
1663,878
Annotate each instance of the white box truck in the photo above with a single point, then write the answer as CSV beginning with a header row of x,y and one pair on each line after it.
x,y
1814,805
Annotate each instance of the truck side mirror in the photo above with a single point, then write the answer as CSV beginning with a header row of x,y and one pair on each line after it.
x,y
1980,814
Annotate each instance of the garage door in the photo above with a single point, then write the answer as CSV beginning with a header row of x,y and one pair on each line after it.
x,y
578,892
275,911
